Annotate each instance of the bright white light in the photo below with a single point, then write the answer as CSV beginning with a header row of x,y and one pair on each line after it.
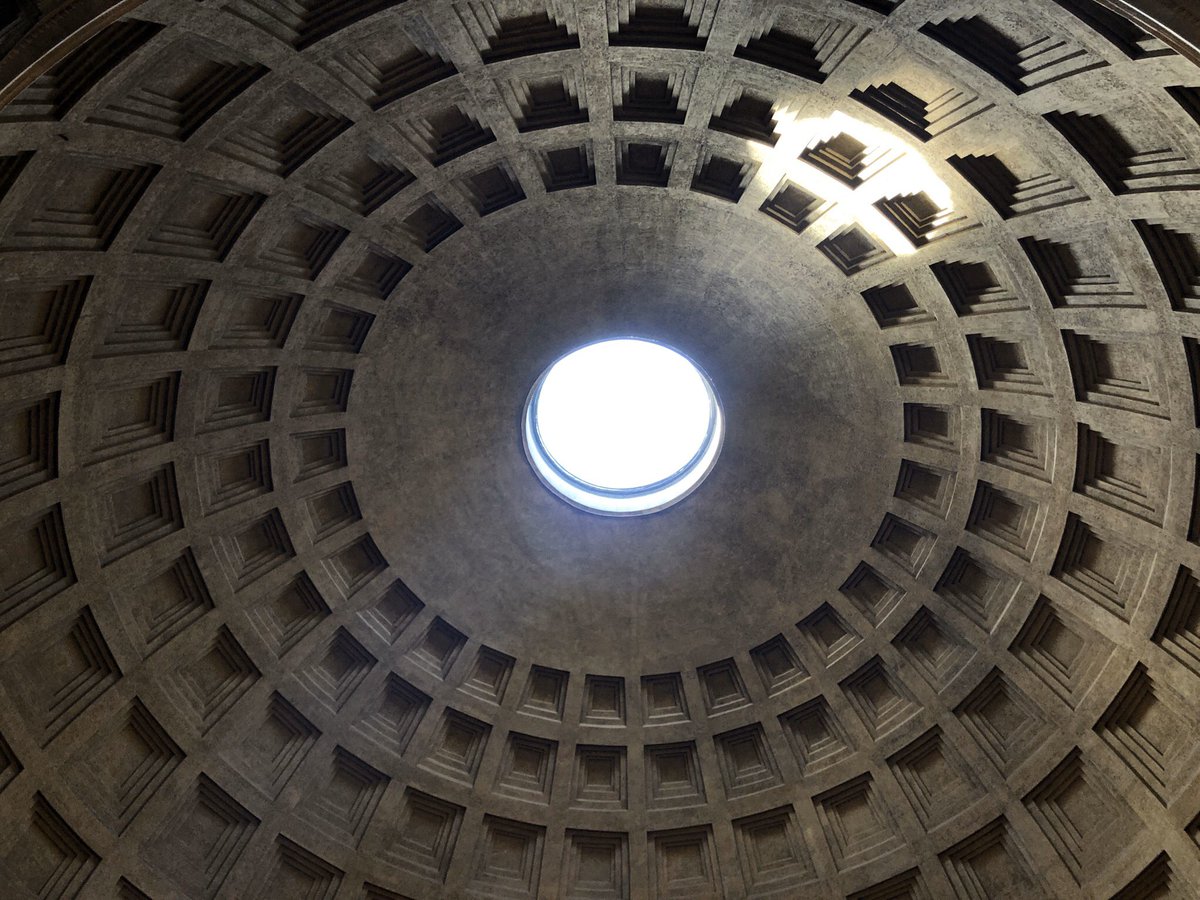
x,y
623,426
622,414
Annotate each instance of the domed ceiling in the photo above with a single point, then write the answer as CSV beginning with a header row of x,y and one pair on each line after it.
x,y
284,611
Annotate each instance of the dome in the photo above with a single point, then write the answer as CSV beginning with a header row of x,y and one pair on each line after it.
x,y
285,609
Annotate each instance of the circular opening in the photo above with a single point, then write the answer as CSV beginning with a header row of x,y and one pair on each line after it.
x,y
623,427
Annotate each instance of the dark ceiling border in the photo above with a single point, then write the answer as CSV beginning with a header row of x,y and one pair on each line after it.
x,y
53,36
1168,20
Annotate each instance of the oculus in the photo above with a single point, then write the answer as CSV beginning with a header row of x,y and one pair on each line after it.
x,y
623,427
